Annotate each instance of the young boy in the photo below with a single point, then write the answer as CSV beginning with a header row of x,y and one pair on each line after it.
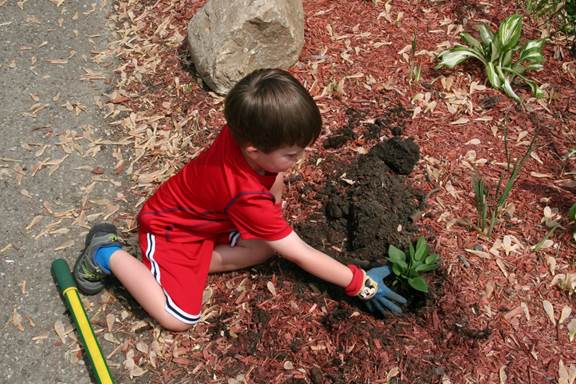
x,y
222,212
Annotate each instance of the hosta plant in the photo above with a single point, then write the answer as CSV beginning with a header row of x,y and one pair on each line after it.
x,y
409,267
502,55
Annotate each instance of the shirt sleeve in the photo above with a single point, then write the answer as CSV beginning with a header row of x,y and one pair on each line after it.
x,y
256,216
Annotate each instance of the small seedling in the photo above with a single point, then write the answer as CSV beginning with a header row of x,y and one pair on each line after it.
x,y
408,268
497,52
490,203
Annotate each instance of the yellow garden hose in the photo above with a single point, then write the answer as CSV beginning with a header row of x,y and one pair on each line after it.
x,y
69,291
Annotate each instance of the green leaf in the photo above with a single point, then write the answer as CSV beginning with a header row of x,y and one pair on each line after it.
x,y
507,87
536,90
532,51
533,67
411,250
485,34
426,267
572,212
493,77
471,41
421,249
495,50
509,32
398,271
480,194
396,256
419,284
432,259
457,55
507,59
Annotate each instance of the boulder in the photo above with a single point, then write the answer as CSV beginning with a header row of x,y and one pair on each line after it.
x,y
230,38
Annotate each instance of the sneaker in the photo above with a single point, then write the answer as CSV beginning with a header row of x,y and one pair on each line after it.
x,y
88,275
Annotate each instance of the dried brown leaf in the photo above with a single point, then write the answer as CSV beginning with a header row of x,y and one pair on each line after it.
x,y
549,309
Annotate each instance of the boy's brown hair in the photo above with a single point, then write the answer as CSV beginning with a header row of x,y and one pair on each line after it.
x,y
269,109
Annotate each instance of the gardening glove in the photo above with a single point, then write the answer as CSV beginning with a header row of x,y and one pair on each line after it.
x,y
369,286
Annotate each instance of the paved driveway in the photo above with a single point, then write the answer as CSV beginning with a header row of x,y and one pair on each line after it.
x,y
55,177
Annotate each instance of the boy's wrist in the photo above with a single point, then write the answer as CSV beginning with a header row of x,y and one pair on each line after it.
x,y
361,286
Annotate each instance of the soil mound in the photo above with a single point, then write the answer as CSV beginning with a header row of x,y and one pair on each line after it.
x,y
369,206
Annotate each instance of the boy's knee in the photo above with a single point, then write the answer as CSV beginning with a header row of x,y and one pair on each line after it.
x,y
171,324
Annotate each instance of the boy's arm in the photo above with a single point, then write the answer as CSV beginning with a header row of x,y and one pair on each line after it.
x,y
278,188
294,249
366,285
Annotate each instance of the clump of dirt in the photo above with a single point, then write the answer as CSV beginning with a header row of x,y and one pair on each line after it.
x,y
368,206
346,133
400,155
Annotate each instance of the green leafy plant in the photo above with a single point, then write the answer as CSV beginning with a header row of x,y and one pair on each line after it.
x,y
408,267
503,58
564,11
490,204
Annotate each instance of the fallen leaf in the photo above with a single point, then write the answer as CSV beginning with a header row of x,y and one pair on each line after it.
x,y
518,311
542,175
551,261
65,245
111,338
60,331
393,372
460,121
566,311
502,266
110,319
566,375
482,254
549,311
16,320
526,311
271,288
142,347
6,247
571,329
502,374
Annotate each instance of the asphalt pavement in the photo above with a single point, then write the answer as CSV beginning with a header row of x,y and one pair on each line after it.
x,y
57,160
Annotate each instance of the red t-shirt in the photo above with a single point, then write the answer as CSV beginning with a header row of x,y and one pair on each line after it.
x,y
215,193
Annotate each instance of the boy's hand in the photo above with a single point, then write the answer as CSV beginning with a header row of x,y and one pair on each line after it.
x,y
384,297
369,286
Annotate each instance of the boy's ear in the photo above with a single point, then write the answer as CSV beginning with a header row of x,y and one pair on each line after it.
x,y
251,149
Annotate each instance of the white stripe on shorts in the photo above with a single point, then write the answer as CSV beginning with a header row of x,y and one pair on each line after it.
x,y
170,306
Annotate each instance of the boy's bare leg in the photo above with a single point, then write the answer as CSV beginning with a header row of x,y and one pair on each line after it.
x,y
143,287
245,254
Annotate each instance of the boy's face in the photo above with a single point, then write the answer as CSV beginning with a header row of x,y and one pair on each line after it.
x,y
279,160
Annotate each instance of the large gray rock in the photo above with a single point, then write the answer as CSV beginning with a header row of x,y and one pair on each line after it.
x,y
230,38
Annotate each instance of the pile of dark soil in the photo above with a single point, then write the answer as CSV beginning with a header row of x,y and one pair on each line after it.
x,y
367,206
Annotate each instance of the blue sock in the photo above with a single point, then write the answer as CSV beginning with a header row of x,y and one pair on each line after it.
x,y
103,254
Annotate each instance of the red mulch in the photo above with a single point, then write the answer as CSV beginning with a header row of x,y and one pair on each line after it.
x,y
485,322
